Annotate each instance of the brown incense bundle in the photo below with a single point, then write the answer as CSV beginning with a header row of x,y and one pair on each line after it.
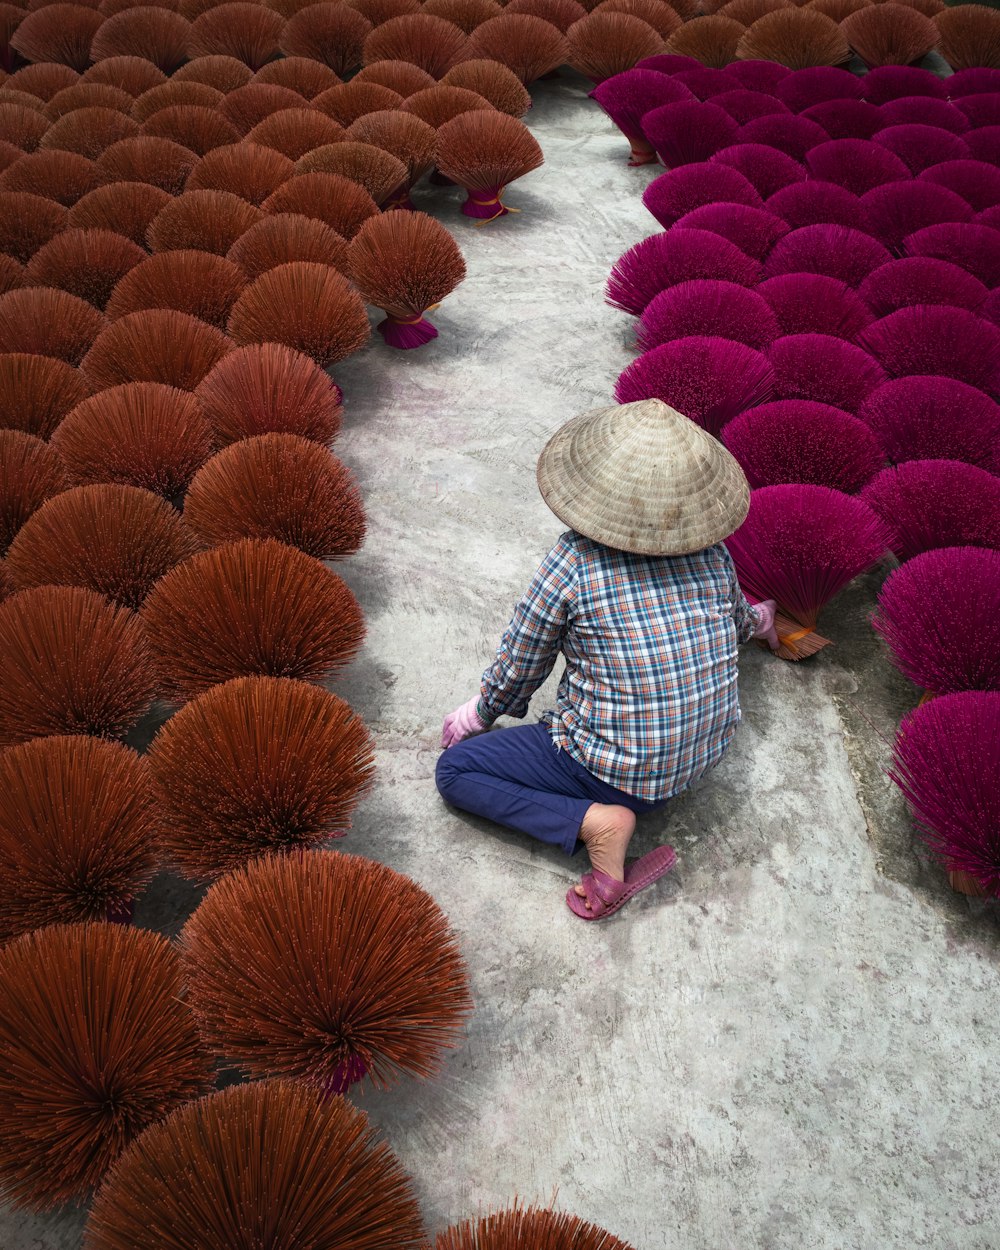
x,y
969,36
8,155
60,32
87,95
301,74
229,1171
326,967
484,152
405,263
889,34
465,14
256,765
192,126
429,42
528,46
286,237
656,13
380,11
70,663
36,392
398,76
246,106
200,283
325,518
380,173
560,13
86,263
132,74
331,198
527,1228
268,389
60,176
405,137
494,82
154,34
49,322
96,1044
30,474
204,221
712,40
44,79
746,12
309,307
167,94
838,9
294,132
440,103
249,170
333,34
77,828
254,607
351,100
604,44
88,131
155,345
115,540
28,222
22,126
125,208
140,434
797,38
224,73
11,274
248,32
159,162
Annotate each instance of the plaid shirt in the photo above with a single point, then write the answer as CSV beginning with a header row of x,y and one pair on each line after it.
x,y
648,701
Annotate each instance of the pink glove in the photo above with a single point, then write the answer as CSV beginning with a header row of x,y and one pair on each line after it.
x,y
462,723
765,628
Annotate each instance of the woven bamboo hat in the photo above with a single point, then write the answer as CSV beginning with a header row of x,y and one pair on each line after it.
x,y
643,478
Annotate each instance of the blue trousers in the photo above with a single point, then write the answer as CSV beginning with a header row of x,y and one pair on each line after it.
x,y
518,778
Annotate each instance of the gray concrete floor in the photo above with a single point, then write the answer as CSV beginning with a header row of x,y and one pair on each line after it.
x,y
789,1042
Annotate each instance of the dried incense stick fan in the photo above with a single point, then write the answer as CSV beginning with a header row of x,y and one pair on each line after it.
x,y
800,545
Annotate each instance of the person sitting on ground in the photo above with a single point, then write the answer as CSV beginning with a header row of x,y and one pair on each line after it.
x,y
642,599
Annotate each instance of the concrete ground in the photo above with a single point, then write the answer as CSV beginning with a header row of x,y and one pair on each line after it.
x,y
789,1042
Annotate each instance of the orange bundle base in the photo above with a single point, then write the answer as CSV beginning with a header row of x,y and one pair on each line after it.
x,y
965,883
798,642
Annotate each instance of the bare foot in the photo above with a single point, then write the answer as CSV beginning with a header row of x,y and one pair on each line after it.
x,y
606,832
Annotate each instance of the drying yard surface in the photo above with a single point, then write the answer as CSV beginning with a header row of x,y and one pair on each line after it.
x,y
789,1042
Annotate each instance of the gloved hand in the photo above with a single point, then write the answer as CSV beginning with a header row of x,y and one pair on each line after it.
x,y
462,723
765,629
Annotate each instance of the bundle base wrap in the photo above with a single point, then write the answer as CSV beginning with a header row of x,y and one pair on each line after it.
x,y
797,641
487,206
406,332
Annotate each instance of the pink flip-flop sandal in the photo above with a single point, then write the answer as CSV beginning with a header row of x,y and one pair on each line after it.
x,y
606,895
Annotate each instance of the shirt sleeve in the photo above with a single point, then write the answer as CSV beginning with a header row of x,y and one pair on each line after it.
x,y
532,641
745,618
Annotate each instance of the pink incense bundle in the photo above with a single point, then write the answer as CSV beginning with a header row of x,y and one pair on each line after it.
x,y
705,81
937,503
627,97
754,230
810,303
688,131
818,204
787,132
857,164
484,151
890,82
758,75
935,418
979,110
836,251
937,339
766,168
926,111
845,119
707,307
709,379
920,147
939,615
668,63
974,81
898,209
966,244
977,182
817,83
796,440
946,762
680,191
745,106
921,280
801,545
663,260
824,369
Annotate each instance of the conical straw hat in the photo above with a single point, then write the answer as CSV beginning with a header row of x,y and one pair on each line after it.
x,y
643,478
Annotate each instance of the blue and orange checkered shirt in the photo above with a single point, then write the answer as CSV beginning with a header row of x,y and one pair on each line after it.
x,y
649,700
